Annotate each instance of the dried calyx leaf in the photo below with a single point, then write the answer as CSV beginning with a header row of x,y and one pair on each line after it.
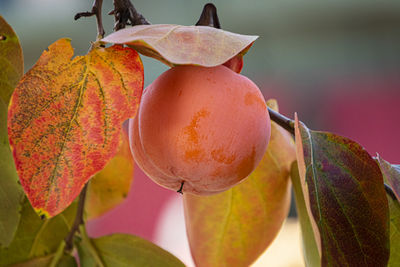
x,y
179,45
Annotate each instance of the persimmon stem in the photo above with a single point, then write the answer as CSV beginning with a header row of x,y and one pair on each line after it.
x,y
78,219
96,11
209,17
126,14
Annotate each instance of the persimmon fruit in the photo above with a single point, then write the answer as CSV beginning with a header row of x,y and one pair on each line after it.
x,y
205,128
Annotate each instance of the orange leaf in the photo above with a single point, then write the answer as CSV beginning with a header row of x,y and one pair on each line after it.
x,y
178,45
109,187
234,227
65,119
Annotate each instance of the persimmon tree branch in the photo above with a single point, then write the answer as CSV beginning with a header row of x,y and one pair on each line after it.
x,y
96,11
125,14
78,220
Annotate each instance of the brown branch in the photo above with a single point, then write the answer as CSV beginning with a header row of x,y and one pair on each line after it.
x,y
96,11
125,14
281,120
209,17
78,220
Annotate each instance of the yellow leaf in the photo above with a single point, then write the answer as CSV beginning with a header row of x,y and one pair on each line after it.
x,y
234,227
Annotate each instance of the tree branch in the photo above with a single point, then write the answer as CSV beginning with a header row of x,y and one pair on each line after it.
x,y
96,11
281,120
125,14
78,219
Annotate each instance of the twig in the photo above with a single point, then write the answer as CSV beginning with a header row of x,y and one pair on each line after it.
x,y
281,120
96,11
209,17
125,14
78,219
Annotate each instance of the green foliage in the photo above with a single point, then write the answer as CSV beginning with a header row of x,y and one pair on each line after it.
x,y
11,194
394,207
122,250
35,237
310,247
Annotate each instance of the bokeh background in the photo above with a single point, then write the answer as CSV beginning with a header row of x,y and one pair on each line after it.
x,y
336,63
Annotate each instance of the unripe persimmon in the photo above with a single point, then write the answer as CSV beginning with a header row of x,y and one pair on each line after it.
x,y
206,127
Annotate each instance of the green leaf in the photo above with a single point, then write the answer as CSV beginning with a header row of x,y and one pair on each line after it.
x,y
391,174
65,261
35,237
11,60
122,250
236,226
310,247
346,197
394,207
11,193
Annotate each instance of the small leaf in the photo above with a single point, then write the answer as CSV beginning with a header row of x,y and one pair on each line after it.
x,y
65,261
310,247
347,198
178,45
234,227
65,119
122,250
109,187
11,193
392,174
36,237
394,207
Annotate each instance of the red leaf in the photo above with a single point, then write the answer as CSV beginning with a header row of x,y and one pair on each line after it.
x,y
178,45
347,199
65,119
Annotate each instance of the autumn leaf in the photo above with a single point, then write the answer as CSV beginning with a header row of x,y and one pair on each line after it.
x,y
111,185
234,227
178,45
65,119
345,193
37,238
11,193
391,173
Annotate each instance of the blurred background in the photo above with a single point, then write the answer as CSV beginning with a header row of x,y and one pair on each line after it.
x,y
336,63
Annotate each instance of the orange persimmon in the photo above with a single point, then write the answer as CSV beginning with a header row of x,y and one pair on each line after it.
x,y
206,127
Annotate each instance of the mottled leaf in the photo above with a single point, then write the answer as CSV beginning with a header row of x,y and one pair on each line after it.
x,y
35,237
65,119
65,261
177,45
11,193
234,227
391,173
310,247
122,250
110,186
346,197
